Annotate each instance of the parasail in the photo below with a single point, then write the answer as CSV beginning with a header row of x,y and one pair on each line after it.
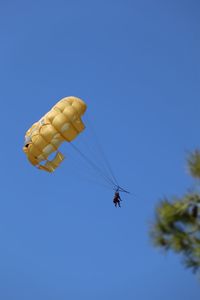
x,y
62,123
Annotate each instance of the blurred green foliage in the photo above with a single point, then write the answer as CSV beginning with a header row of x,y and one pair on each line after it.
x,y
177,222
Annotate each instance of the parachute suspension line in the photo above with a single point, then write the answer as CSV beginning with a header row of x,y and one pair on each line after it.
x,y
84,176
100,149
120,189
93,155
92,164
109,170
86,142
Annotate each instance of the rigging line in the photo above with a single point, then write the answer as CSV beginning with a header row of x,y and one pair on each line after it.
x,y
97,180
111,182
102,153
100,148
93,152
89,161
123,190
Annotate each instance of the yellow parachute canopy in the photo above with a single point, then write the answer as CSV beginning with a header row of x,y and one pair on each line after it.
x,y
62,123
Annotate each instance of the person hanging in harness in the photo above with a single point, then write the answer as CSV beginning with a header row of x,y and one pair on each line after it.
x,y
117,199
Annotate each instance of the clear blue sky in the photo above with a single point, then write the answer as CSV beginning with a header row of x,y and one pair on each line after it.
x,y
136,64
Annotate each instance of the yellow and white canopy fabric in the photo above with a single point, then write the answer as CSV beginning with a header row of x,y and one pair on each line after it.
x,y
62,123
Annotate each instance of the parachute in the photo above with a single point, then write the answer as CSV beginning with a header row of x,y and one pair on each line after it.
x,y
62,123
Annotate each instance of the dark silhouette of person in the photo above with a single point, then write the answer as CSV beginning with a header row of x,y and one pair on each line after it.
x,y
117,199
